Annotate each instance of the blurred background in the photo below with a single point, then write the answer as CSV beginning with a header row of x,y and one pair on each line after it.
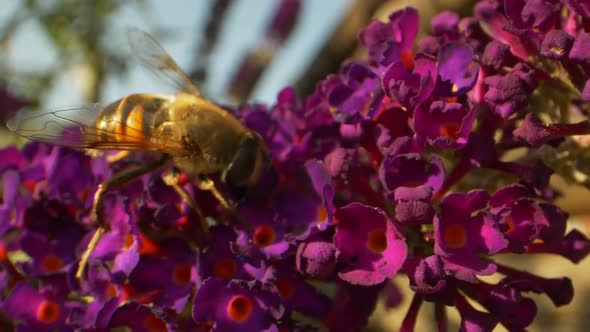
x,y
59,53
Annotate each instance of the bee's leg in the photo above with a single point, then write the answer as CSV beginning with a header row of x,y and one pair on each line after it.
x,y
97,212
205,183
117,156
171,179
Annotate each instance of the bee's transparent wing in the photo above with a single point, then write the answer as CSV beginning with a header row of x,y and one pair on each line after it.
x,y
76,127
153,56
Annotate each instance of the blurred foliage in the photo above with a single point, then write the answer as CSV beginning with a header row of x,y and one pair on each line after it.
x,y
76,31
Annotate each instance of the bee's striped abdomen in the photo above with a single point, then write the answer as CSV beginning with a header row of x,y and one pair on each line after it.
x,y
130,119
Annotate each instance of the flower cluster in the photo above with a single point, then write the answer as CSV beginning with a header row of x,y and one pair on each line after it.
x,y
370,177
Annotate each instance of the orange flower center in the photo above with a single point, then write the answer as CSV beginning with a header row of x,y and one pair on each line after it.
x,y
84,194
377,241
48,312
181,274
413,183
450,130
129,241
322,214
407,59
51,263
239,308
155,324
147,246
182,221
30,185
510,223
225,268
3,253
455,236
264,236
285,287
112,291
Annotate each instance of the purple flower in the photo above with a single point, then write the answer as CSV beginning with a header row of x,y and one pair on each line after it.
x,y
457,70
509,93
267,234
462,230
295,292
557,44
579,7
220,260
411,170
473,320
121,243
171,273
354,94
352,307
322,183
559,290
137,317
410,86
522,219
370,244
506,25
445,125
574,246
535,133
238,305
580,48
497,55
413,205
14,200
37,309
426,274
48,256
107,296
446,24
586,91
506,303
316,257
392,41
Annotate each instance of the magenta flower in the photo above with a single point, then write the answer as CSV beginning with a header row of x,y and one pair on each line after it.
x,y
463,230
370,244
413,205
457,69
138,317
411,170
237,306
316,257
41,309
446,126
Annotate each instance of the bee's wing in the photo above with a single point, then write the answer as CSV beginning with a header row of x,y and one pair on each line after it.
x,y
153,56
76,127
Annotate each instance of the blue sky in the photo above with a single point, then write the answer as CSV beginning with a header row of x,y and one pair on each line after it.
x,y
246,21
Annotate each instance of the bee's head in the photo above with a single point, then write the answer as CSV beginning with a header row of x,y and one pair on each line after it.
x,y
248,163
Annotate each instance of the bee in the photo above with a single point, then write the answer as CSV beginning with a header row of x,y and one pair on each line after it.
x,y
200,137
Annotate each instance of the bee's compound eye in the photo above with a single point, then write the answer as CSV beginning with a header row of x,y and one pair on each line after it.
x,y
247,164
